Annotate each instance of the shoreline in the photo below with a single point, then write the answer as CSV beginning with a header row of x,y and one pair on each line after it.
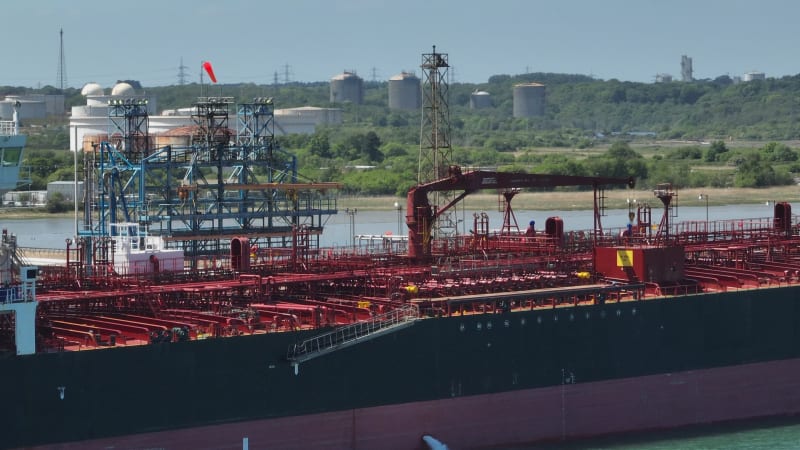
x,y
535,201
583,200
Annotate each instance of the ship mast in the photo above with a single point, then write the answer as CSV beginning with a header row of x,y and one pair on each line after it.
x,y
435,152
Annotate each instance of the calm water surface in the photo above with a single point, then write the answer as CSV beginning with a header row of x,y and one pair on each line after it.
x,y
765,434
52,232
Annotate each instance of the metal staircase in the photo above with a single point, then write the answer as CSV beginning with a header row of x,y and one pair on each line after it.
x,y
355,333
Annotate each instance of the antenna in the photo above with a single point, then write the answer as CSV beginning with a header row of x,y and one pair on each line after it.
x,y
62,64
182,73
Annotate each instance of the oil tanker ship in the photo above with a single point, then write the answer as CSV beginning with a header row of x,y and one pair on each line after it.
x,y
194,308
500,338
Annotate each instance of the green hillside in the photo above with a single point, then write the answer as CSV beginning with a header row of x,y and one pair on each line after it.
x,y
704,133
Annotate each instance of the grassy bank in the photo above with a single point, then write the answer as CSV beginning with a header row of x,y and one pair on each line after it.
x,y
544,201
584,199
21,212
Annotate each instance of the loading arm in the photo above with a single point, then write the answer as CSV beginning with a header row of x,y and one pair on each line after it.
x,y
420,215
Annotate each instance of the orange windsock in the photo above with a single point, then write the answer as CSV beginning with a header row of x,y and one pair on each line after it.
x,y
210,71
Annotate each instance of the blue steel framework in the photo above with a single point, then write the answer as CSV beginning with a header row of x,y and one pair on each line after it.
x,y
225,184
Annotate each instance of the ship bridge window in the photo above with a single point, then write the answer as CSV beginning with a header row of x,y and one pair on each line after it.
x,y
10,156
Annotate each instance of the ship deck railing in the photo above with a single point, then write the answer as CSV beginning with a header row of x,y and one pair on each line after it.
x,y
11,294
7,128
354,333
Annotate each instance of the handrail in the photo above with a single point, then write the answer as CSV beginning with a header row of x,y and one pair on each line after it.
x,y
349,334
7,128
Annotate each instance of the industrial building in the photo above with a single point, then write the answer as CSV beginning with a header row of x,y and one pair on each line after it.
x,y
754,75
89,123
687,71
66,189
32,106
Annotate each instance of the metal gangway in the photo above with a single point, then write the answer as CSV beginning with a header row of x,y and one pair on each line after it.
x,y
351,334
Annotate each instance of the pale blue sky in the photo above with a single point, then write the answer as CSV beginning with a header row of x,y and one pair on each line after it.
x,y
249,40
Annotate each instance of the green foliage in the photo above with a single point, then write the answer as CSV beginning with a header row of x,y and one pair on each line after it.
x,y
620,161
754,171
56,203
580,112
49,165
716,149
776,152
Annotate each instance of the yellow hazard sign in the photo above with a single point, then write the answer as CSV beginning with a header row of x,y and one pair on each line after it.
x,y
624,258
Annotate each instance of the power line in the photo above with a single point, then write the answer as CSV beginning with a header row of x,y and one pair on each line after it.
x,y
286,72
182,73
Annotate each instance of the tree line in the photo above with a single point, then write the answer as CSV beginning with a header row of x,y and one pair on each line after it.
x,y
592,124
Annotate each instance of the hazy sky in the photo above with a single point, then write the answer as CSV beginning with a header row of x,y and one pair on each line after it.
x,y
251,40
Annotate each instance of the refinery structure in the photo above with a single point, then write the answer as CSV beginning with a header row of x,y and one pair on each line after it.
x,y
229,180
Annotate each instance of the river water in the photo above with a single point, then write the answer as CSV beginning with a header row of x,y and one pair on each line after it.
x,y
340,229
764,434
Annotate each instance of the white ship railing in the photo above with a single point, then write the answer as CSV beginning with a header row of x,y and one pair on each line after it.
x,y
347,335
11,294
7,128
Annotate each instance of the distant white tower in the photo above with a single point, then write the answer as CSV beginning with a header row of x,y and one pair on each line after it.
x,y
686,68
663,78
754,75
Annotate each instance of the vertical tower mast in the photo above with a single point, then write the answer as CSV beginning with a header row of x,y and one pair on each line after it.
x,y
62,64
435,152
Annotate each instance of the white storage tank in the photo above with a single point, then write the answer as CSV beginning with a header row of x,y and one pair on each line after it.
x,y
529,100
480,100
28,109
404,92
92,89
123,89
347,87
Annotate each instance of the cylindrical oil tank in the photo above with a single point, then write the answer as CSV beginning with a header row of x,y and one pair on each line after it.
x,y
347,87
28,109
91,141
529,100
480,100
177,137
404,92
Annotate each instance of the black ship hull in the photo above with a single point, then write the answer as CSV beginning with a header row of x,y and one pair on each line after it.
x,y
555,372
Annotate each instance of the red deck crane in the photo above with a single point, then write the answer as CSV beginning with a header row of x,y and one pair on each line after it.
x,y
421,216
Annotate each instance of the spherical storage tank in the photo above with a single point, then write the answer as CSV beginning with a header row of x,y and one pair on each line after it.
x,y
480,100
347,87
529,100
404,92
92,89
122,90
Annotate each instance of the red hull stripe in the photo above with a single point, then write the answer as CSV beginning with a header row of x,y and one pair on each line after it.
x,y
553,413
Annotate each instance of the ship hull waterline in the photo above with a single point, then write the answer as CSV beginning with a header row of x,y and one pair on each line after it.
x,y
477,379
566,412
